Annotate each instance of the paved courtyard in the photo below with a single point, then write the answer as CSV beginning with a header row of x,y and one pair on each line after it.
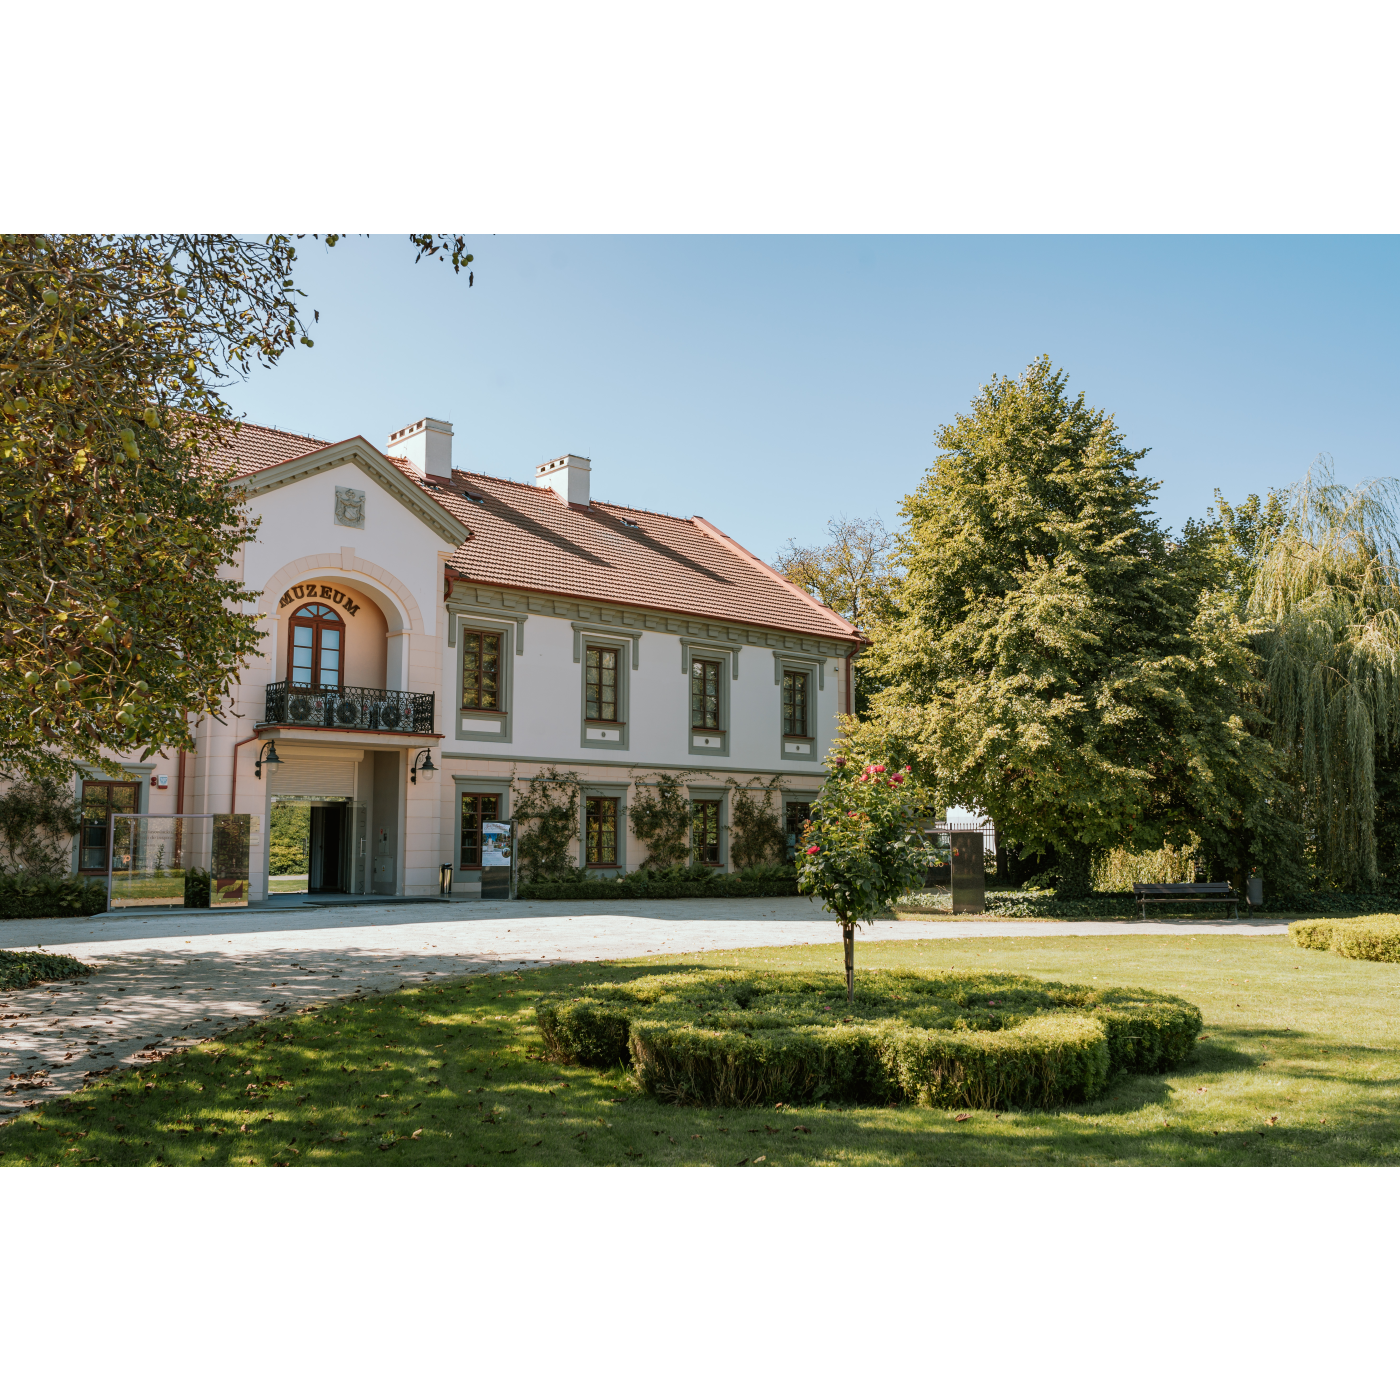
x,y
167,980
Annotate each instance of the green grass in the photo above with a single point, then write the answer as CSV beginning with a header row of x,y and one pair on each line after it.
x,y
1299,1065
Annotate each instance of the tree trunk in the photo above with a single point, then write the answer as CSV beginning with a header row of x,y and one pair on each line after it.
x,y
848,939
1075,871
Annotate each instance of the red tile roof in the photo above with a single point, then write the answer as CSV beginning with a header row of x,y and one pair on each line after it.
x,y
527,537
251,448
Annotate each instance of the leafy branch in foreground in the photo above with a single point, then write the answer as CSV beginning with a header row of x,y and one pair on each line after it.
x,y
120,612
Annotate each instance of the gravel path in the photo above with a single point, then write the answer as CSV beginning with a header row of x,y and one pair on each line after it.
x,y
170,980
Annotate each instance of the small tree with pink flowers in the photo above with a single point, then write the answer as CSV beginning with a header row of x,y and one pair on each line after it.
x,y
864,845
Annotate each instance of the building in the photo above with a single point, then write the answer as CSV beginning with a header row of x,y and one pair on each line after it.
x,y
432,635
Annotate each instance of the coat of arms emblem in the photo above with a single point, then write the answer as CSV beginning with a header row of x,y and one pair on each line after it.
x,y
350,507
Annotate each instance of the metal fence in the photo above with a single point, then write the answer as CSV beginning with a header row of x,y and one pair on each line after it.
x,y
349,707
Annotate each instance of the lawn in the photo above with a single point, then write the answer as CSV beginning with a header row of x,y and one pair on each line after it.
x,y
1299,1064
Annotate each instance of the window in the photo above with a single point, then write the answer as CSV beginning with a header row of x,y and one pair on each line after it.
x,y
477,807
600,830
795,703
705,828
99,801
600,684
798,815
481,670
704,694
316,647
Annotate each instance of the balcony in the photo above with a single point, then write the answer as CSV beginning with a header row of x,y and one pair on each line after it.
x,y
349,707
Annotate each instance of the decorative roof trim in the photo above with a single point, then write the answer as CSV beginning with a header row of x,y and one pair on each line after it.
x,y
357,452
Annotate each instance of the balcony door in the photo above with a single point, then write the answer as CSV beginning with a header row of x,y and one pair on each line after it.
x,y
316,648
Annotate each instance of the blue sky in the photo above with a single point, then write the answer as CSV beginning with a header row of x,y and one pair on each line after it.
x,y
768,383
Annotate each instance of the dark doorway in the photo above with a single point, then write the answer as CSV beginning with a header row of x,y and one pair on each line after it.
x,y
328,864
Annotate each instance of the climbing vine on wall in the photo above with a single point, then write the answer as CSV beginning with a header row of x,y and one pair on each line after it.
x,y
660,816
546,811
756,835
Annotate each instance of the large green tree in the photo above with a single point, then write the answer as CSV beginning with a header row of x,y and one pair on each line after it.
x,y
1326,594
117,613
1055,658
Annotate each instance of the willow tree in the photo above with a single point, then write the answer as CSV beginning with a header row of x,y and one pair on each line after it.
x,y
1055,658
1327,591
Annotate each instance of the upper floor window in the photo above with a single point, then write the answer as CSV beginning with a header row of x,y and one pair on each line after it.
x,y
481,670
795,703
317,647
704,694
600,684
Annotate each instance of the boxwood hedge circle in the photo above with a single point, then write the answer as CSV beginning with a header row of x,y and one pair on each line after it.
x,y
981,1040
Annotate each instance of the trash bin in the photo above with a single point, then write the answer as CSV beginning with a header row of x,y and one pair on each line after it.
x,y
1254,890
445,879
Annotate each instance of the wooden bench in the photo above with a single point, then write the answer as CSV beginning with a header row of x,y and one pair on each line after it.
x,y
1188,894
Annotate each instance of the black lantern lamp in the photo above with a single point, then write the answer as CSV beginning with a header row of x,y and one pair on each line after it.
x,y
423,764
267,754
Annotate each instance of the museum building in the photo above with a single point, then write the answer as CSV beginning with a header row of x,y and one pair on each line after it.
x,y
434,637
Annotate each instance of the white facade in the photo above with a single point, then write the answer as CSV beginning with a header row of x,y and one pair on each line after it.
x,y
344,526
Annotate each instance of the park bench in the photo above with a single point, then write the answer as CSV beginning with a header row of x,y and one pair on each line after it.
x,y
1191,894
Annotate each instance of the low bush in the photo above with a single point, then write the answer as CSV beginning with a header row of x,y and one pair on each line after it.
x,y
975,1041
672,882
196,888
24,969
1374,939
50,897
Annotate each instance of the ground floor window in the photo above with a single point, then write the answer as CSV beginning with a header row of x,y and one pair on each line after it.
x,y
798,814
101,800
477,807
600,831
705,827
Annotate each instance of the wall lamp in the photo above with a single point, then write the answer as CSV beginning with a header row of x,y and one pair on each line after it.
x,y
423,764
267,754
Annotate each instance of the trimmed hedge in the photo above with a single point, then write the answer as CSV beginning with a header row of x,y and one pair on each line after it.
x,y
49,897
976,1041
1374,939
24,969
674,882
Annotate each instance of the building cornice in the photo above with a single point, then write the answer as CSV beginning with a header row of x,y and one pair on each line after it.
x,y
513,602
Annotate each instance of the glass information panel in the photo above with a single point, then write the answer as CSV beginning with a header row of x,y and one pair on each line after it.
x,y
199,861
495,860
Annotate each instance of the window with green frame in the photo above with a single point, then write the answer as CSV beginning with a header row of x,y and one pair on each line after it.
x,y
704,694
600,831
795,685
600,684
477,807
705,831
481,670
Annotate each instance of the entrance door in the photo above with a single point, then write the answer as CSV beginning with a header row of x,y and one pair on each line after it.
x,y
329,866
100,800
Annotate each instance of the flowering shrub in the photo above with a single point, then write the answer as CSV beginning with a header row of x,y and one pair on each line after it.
x,y
864,845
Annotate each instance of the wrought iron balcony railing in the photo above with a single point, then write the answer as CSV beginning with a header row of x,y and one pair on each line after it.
x,y
349,707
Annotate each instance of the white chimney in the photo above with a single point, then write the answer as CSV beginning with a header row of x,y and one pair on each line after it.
x,y
427,444
567,476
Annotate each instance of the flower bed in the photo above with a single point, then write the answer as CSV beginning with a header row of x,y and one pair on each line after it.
x,y
50,897
676,882
24,969
1374,939
974,1041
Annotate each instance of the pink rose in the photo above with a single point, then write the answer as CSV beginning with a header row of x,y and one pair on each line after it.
x,y
812,850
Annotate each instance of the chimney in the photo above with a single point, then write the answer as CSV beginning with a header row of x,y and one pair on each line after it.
x,y
567,476
427,444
